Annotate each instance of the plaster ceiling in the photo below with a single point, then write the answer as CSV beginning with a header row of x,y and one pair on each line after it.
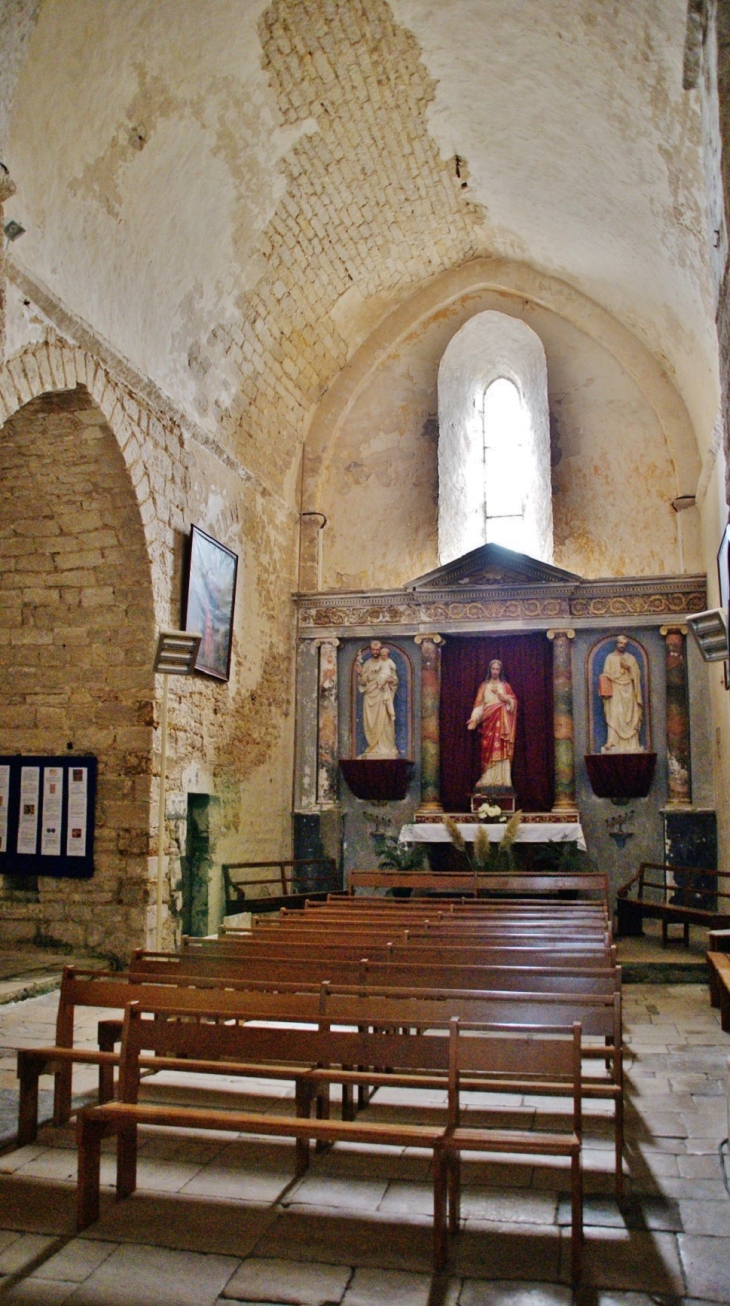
x,y
150,154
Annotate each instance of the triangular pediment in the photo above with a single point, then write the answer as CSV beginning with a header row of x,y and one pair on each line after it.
x,y
492,566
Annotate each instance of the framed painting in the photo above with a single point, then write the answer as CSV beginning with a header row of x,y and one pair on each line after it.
x,y
209,601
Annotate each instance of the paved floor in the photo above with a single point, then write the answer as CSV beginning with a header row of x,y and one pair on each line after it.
x,y
220,1220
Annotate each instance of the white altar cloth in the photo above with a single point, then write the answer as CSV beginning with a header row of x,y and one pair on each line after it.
x,y
537,832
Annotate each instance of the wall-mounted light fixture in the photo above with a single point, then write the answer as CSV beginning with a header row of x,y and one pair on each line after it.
x,y
176,655
710,630
684,501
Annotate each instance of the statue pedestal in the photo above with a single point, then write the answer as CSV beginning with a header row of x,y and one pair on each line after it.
x,y
500,797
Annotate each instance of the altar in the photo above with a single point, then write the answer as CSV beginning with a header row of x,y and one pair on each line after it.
x,y
529,831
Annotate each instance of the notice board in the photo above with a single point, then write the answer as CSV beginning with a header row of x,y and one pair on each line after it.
x,y
47,809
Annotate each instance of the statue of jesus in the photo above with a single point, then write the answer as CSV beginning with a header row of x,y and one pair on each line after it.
x,y
495,711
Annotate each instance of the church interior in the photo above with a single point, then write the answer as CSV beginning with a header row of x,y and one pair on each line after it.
x,y
365,579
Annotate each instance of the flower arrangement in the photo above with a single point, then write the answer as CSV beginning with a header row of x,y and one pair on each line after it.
x,y
491,812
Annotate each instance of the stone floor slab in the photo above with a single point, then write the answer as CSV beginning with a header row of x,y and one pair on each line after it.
x,y
300,1282
630,1260
476,1292
76,1261
706,1264
155,1276
37,1206
375,1287
183,1223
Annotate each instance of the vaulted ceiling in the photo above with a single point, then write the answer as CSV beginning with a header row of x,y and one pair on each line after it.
x,y
233,193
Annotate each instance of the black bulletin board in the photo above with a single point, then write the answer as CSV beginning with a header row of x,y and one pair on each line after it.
x,y
47,807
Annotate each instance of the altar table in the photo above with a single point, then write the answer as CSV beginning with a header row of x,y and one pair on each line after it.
x,y
537,832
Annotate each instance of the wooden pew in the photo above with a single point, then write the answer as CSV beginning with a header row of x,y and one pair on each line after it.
x,y
597,1006
113,991
718,965
547,884
557,1059
696,897
209,1047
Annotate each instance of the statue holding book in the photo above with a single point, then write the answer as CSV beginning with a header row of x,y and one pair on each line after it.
x,y
619,687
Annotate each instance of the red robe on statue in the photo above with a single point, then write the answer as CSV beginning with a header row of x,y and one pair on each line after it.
x,y
498,725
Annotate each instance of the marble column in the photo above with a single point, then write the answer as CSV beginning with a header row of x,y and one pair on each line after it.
x,y
678,740
430,706
327,724
563,720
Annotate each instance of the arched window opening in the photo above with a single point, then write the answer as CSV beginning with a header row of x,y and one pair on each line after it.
x,y
494,440
505,471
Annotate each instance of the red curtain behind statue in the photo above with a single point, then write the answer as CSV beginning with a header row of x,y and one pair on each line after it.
x,y
527,665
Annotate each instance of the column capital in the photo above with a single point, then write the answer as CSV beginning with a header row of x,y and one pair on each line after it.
x,y
326,639
433,638
568,634
672,630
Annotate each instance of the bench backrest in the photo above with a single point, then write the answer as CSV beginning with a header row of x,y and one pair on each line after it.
x,y
547,1055
200,1038
382,946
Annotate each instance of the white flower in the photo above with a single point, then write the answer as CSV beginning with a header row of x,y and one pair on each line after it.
x,y
488,810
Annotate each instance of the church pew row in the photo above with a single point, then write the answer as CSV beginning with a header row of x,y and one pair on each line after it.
x,y
544,1060
479,909
341,927
410,953
591,885
413,971
598,1010
382,947
718,965
434,909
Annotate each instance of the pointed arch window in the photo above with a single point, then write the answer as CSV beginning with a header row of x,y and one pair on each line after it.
x,y
494,440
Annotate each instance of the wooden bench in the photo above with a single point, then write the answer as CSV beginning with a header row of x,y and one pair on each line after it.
x,y
589,883
692,899
113,990
501,1058
558,1059
410,950
718,964
237,882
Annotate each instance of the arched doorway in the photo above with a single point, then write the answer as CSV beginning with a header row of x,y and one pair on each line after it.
x,y
76,656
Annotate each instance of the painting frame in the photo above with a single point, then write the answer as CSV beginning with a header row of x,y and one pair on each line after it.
x,y
210,598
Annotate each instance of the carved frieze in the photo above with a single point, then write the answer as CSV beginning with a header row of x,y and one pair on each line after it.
x,y
547,603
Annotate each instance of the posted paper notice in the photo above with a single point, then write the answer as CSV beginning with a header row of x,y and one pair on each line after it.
x,y
52,803
78,796
30,781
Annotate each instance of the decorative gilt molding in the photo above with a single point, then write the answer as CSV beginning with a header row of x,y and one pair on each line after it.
x,y
588,601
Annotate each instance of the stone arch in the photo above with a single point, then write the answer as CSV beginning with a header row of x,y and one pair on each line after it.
x,y
76,658
56,365
489,347
354,418
516,281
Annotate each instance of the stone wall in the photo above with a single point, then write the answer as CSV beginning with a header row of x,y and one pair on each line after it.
x,y
75,654
231,740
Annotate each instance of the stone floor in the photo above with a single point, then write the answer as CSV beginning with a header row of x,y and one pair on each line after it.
x,y
220,1219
